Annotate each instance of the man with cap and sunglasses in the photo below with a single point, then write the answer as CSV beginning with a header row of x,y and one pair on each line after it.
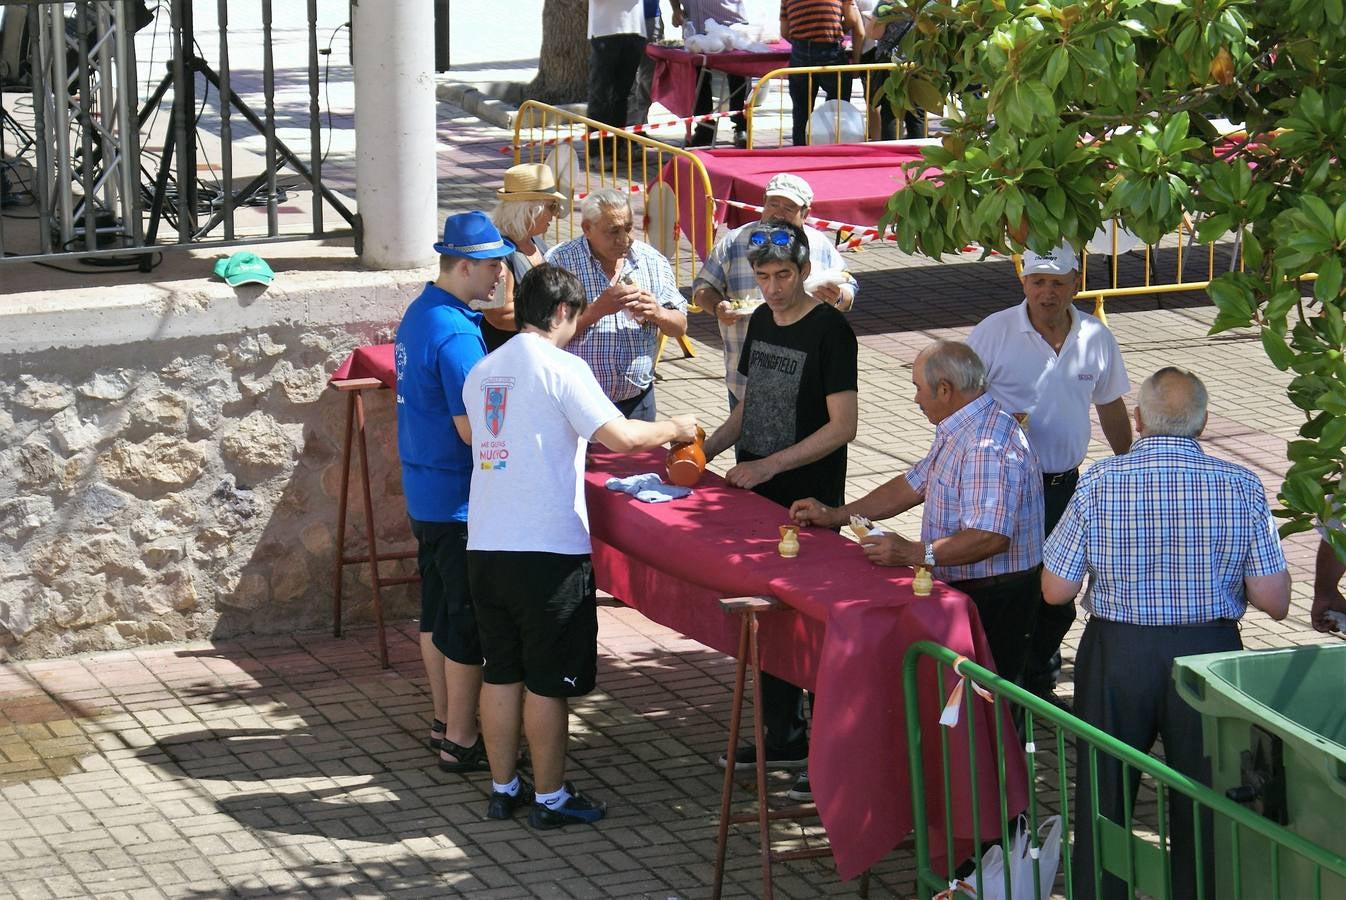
x,y
798,414
438,342
727,276
1048,362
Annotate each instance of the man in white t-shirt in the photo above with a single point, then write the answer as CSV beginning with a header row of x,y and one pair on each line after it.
x,y
533,408
1047,362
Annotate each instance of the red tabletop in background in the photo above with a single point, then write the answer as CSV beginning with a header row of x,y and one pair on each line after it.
x,y
851,182
369,362
676,71
845,628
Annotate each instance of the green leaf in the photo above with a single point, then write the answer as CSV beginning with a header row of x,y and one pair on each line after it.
x,y
1056,67
1277,350
1328,286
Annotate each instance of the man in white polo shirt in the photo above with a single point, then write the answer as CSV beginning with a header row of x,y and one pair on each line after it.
x,y
1049,362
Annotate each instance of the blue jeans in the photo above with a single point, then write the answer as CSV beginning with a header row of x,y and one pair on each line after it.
x,y
640,407
815,53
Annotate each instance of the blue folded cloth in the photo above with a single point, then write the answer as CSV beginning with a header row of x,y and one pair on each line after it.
x,y
647,488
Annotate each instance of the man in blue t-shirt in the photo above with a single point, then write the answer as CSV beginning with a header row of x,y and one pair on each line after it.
x,y
438,342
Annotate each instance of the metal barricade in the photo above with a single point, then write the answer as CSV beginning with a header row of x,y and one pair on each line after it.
x,y
671,199
760,110
100,172
1136,850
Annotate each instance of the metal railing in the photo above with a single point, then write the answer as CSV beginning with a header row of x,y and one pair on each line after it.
x,y
91,171
759,111
671,199
1136,850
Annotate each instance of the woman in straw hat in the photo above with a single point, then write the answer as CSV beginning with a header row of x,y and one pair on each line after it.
x,y
523,212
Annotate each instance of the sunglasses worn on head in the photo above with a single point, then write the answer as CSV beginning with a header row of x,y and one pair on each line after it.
x,y
780,237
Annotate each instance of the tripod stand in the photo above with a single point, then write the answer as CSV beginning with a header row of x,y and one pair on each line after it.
x,y
181,138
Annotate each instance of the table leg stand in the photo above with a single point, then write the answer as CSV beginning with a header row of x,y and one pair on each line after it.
x,y
355,427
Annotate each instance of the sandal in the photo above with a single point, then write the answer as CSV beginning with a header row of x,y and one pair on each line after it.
x,y
468,759
433,742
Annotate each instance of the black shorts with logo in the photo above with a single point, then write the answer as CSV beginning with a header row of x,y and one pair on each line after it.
x,y
538,619
446,602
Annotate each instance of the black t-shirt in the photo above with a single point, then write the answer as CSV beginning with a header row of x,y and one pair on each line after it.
x,y
791,370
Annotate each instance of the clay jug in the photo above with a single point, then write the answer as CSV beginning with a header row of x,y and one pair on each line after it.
x,y
789,541
686,462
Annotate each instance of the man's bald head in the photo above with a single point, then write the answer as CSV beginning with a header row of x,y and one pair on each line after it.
x,y
1172,402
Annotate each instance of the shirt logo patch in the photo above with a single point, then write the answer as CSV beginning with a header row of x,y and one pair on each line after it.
x,y
497,400
400,364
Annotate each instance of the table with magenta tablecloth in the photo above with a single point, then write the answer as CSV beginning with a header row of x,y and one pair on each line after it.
x,y
851,182
676,71
842,631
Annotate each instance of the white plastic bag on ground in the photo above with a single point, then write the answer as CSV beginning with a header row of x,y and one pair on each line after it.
x,y
1022,887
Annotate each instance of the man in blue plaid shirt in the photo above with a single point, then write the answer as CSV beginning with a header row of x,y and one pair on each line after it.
x,y
1176,544
633,297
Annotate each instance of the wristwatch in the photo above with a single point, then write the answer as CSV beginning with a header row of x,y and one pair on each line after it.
x,y
930,555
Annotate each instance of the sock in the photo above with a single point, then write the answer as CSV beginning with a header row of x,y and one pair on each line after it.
x,y
554,800
512,789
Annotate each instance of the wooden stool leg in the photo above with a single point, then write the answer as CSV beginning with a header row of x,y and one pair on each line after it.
x,y
342,503
726,795
369,525
759,736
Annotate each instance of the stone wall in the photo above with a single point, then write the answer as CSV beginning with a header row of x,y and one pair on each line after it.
x,y
185,487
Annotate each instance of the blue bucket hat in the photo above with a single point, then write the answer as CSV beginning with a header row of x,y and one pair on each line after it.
x,y
474,236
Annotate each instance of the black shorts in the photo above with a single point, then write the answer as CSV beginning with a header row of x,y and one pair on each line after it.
x,y
446,602
538,618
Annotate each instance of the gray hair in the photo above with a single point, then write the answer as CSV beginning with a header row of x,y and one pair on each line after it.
x,y
956,363
516,218
600,201
1173,402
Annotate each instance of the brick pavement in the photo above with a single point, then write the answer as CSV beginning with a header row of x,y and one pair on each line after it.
x,y
294,765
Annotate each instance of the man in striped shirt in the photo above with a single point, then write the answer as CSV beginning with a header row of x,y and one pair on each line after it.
x,y
981,525
815,29
1176,544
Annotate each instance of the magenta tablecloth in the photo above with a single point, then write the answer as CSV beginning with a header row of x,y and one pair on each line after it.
x,y
843,631
676,71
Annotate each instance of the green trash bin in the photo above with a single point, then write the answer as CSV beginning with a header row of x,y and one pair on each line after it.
x,y
1274,726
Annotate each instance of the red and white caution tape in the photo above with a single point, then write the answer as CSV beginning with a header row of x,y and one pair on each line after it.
x,y
634,129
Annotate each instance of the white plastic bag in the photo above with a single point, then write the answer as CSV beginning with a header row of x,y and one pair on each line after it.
x,y
992,868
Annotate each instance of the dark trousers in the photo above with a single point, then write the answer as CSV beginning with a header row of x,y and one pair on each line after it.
x,y
1124,686
640,407
1053,622
834,85
913,120
705,102
613,62
1006,605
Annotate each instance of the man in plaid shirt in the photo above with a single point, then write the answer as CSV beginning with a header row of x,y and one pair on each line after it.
x,y
633,297
981,525
1177,544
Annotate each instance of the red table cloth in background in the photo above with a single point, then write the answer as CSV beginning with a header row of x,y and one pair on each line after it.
x,y
851,183
369,362
843,631
676,71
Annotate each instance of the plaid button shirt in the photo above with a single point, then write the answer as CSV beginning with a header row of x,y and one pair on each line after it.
x,y
980,473
618,349
1167,533
728,271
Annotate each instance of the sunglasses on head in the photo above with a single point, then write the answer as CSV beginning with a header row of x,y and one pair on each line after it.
x,y
780,237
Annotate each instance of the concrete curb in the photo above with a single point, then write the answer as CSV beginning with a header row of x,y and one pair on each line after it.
x,y
488,109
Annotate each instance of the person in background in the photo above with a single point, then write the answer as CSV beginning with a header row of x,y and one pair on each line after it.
x,y
815,30
638,110
884,29
695,14
1177,544
1328,570
533,408
1049,363
525,208
633,298
617,39
438,342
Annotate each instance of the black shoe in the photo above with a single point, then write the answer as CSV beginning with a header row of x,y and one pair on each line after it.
x,y
577,810
702,137
502,806
466,759
801,790
745,759
741,138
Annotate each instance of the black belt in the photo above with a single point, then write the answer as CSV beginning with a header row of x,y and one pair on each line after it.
x,y
990,581
1052,479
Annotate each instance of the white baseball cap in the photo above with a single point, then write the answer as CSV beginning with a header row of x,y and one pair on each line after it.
x,y
791,187
1059,261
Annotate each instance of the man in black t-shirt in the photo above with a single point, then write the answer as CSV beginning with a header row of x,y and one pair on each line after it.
x,y
792,428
